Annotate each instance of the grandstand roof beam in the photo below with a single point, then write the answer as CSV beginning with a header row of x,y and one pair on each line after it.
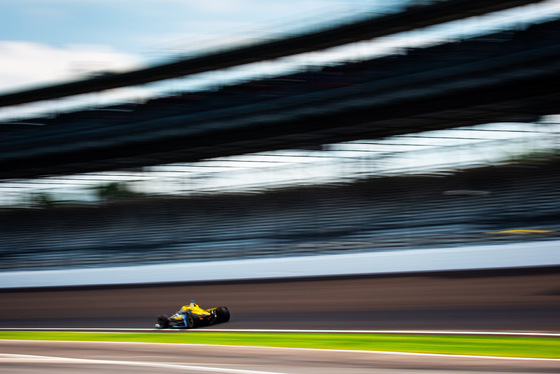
x,y
412,18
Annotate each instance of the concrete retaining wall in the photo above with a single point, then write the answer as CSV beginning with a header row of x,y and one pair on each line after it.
x,y
528,254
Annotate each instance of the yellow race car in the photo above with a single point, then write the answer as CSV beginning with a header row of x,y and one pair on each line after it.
x,y
191,316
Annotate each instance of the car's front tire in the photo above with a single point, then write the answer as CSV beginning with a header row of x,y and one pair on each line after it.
x,y
191,322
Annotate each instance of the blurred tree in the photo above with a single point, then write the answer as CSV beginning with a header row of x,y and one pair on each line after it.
x,y
42,200
533,157
115,190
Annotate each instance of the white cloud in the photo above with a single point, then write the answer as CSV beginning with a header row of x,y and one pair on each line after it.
x,y
27,64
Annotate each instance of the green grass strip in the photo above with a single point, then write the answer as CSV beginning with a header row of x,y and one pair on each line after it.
x,y
510,346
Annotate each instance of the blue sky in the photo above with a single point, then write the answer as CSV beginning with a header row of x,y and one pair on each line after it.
x,y
46,40
43,41
134,26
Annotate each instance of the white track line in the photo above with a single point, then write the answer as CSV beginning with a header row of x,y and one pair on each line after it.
x,y
410,332
305,349
4,357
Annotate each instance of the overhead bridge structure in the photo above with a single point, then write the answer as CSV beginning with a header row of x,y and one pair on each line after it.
x,y
415,17
510,76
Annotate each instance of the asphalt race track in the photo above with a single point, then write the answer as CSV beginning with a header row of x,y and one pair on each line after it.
x,y
508,300
64,357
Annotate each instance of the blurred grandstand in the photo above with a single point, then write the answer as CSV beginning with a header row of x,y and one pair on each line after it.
x,y
443,145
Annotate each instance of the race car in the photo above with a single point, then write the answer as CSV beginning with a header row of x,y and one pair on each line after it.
x,y
191,316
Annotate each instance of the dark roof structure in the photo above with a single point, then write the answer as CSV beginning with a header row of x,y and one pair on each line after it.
x,y
511,77
414,17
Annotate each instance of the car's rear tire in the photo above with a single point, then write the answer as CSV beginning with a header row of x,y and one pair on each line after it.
x,y
222,314
163,321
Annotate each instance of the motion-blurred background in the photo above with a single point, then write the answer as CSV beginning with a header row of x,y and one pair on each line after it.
x,y
200,131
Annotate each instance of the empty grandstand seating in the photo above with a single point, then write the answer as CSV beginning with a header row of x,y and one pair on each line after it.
x,y
375,215
412,67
